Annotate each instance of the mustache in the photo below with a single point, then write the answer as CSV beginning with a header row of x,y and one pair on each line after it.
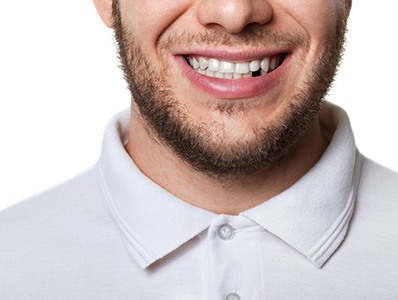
x,y
259,37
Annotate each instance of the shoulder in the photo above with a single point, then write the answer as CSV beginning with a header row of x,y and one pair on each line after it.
x,y
56,230
59,210
72,196
67,207
371,243
377,203
378,182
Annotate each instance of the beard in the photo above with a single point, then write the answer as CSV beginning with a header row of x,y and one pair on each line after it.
x,y
167,119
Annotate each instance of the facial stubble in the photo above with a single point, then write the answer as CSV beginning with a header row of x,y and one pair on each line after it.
x,y
170,124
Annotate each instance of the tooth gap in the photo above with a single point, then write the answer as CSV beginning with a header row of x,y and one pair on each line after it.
x,y
256,73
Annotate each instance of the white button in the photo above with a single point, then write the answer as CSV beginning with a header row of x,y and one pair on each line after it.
x,y
232,296
225,232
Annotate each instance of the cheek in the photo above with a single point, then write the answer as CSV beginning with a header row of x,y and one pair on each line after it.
x,y
317,17
148,19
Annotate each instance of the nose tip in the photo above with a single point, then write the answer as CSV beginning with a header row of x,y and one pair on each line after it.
x,y
234,15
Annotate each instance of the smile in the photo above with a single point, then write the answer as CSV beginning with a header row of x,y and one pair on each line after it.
x,y
217,68
226,75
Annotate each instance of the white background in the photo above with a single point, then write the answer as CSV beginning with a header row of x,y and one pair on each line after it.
x,y
59,85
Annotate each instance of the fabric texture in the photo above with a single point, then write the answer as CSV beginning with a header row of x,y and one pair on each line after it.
x,y
112,233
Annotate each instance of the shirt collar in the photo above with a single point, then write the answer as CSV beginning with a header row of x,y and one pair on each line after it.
x,y
312,216
153,222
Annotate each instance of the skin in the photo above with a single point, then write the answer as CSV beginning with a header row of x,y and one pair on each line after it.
x,y
236,119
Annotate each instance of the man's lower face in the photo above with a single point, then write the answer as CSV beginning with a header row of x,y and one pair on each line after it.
x,y
207,145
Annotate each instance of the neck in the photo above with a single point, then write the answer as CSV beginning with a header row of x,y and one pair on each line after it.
x,y
227,195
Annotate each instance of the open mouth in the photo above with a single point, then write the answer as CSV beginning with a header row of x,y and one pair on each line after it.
x,y
217,68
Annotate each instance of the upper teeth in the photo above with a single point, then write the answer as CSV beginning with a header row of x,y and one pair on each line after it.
x,y
233,70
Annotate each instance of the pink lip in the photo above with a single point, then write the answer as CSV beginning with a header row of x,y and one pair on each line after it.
x,y
233,89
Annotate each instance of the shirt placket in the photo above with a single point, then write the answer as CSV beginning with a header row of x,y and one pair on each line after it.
x,y
234,266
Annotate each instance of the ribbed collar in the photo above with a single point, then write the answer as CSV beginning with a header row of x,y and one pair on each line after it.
x,y
312,216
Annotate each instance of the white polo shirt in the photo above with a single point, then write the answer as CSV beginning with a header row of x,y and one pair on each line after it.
x,y
112,233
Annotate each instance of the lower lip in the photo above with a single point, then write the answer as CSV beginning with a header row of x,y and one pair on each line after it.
x,y
233,89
